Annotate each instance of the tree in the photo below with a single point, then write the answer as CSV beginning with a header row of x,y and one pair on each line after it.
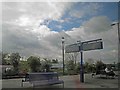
x,y
3,58
70,67
75,57
46,65
89,66
72,56
86,67
77,67
54,60
90,60
100,65
34,63
15,58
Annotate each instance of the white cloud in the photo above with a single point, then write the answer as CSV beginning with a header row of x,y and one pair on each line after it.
x,y
77,13
0,27
59,26
24,21
23,29
77,33
28,13
85,9
95,28
24,32
97,24
92,28
61,1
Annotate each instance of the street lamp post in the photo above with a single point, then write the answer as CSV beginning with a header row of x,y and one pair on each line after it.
x,y
63,41
118,29
118,38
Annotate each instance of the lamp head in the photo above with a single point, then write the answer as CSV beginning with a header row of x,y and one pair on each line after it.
x,y
63,39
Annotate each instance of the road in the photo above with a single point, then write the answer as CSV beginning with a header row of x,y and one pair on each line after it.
x,y
71,81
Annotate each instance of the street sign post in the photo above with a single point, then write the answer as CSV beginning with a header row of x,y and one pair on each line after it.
x,y
92,46
72,48
84,46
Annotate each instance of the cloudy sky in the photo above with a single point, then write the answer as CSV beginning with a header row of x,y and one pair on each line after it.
x,y
36,28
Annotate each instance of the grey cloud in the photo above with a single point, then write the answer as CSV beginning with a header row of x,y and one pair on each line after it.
x,y
16,39
89,9
95,28
10,11
38,10
97,24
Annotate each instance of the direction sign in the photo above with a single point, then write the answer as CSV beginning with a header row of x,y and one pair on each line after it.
x,y
92,46
72,48
84,46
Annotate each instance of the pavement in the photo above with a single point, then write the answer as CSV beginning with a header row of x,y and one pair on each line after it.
x,y
70,81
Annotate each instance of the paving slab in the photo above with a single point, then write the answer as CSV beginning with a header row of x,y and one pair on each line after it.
x,y
70,81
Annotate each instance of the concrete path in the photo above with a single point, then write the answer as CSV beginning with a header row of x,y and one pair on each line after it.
x,y
71,81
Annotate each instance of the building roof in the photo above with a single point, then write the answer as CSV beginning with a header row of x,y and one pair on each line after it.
x,y
6,66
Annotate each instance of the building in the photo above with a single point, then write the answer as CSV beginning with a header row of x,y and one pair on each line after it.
x,y
56,66
5,68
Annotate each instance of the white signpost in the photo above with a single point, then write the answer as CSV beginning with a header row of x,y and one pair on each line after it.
x,y
84,46
72,48
92,46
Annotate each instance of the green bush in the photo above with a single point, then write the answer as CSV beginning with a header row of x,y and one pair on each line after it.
x,y
34,63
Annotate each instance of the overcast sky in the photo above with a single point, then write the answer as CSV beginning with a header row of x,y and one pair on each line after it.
x,y
36,28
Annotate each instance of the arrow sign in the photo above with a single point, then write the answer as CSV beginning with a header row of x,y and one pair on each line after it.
x,y
92,46
84,46
72,48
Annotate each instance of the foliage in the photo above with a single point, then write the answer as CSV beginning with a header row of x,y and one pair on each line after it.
x,y
34,63
15,58
88,67
54,60
100,65
71,64
70,67
24,67
72,56
77,67
46,65
3,58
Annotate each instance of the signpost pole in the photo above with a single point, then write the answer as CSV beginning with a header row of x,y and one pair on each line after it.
x,y
84,46
81,68
81,61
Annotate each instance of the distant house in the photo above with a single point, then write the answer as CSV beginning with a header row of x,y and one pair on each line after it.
x,y
114,66
56,66
5,68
